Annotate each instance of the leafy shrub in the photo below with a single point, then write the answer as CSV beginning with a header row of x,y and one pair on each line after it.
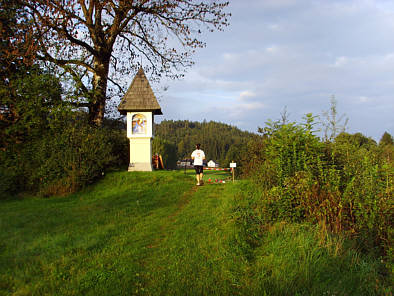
x,y
71,159
344,185
67,157
27,97
11,175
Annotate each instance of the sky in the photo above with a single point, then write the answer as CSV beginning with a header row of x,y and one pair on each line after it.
x,y
293,54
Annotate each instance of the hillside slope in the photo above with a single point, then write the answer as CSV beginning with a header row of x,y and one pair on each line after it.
x,y
159,234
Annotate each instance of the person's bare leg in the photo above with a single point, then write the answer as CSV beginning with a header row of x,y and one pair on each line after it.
x,y
198,179
201,180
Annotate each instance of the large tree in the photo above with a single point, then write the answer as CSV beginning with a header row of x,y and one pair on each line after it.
x,y
27,93
98,42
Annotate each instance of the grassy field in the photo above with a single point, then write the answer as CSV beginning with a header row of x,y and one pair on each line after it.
x,y
159,234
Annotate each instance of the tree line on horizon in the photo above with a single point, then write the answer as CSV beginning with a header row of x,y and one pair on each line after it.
x,y
222,143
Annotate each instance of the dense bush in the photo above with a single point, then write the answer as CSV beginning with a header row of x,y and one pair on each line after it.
x,y
344,185
67,156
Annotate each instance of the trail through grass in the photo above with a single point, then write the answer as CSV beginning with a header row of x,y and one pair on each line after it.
x,y
158,234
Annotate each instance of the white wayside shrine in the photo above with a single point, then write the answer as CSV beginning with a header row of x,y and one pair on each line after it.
x,y
140,105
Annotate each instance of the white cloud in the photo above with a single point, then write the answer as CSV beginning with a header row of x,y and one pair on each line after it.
x,y
245,95
272,49
340,61
251,106
274,27
364,99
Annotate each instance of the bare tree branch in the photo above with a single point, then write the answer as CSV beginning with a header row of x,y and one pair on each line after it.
x,y
115,32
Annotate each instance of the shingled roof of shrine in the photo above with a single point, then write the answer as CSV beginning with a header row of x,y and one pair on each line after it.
x,y
139,96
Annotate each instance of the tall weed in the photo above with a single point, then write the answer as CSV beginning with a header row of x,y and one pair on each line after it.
x,y
345,185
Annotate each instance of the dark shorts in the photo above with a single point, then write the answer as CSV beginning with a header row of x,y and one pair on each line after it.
x,y
198,169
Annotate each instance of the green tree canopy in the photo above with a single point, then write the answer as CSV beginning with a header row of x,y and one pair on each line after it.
x,y
386,139
28,99
220,142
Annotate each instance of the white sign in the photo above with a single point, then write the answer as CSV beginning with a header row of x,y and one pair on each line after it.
x,y
233,164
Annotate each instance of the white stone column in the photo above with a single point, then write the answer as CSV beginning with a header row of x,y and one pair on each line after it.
x,y
140,143
140,154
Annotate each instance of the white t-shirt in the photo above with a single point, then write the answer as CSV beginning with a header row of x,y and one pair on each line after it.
x,y
199,156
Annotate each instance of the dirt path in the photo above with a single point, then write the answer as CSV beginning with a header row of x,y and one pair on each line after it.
x,y
193,247
184,201
181,204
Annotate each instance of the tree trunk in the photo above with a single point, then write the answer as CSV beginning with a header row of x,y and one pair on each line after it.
x,y
99,96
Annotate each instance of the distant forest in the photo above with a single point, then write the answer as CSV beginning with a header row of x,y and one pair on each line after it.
x,y
220,142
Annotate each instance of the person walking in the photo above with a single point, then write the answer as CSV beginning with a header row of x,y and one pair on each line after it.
x,y
198,157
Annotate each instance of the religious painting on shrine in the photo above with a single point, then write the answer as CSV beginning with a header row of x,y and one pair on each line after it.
x,y
139,124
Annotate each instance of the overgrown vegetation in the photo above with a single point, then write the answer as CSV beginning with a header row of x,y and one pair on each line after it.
x,y
61,162
345,185
63,159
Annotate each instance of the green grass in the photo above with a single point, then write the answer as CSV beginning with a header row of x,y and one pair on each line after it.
x,y
213,175
159,234
291,258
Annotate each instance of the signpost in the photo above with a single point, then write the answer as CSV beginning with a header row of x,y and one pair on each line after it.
x,y
233,165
